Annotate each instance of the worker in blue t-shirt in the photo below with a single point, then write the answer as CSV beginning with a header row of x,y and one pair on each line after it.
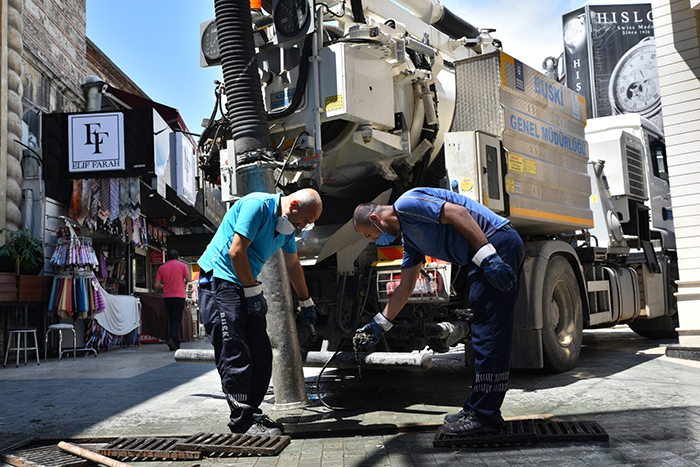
x,y
451,227
232,304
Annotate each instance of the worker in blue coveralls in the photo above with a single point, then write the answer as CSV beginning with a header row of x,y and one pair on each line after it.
x,y
231,298
454,228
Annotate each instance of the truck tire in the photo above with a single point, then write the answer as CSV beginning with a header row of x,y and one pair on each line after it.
x,y
663,327
562,316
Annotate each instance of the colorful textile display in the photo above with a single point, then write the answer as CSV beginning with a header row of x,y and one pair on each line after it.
x,y
100,339
76,296
76,251
112,206
76,292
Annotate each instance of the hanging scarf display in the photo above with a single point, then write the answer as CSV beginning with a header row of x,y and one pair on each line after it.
x,y
111,206
111,320
101,339
74,251
76,296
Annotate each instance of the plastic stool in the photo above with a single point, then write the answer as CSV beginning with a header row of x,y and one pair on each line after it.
x,y
21,332
60,327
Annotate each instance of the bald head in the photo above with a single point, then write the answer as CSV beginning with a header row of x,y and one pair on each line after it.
x,y
302,207
309,201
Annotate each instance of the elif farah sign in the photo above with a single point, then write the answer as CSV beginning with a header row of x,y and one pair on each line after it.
x,y
95,142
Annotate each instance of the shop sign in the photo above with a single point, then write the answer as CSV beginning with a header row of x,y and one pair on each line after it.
x,y
183,166
96,142
156,256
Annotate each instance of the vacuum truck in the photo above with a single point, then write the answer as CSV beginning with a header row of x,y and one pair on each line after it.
x,y
369,98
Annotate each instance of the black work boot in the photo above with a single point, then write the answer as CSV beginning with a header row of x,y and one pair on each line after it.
x,y
264,425
453,417
468,425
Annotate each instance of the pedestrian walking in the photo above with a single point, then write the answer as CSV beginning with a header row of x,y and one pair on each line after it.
x,y
234,306
172,277
452,227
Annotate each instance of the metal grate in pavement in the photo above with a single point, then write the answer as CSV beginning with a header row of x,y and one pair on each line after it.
x,y
548,431
529,431
148,448
33,455
234,443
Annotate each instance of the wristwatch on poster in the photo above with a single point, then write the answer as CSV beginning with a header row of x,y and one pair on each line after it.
x,y
634,82
575,33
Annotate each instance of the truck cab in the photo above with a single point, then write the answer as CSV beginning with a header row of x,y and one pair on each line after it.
x,y
636,172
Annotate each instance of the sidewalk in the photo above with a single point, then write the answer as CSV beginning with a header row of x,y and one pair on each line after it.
x,y
648,403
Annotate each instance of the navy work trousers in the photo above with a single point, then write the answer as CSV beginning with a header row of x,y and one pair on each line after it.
x,y
492,330
242,353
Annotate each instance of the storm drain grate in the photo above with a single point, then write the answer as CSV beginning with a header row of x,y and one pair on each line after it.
x,y
234,443
549,431
148,448
529,431
32,455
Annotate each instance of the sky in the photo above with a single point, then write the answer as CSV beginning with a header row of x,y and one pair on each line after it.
x,y
156,42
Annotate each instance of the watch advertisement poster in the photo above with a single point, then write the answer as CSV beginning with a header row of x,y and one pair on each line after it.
x,y
577,64
620,54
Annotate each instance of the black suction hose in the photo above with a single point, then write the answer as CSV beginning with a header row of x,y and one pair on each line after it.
x,y
244,104
358,13
300,86
362,405
455,27
449,24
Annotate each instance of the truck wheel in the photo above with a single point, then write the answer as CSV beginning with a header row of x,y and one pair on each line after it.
x,y
562,316
663,327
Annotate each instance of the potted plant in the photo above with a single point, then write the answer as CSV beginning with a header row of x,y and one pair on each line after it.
x,y
26,255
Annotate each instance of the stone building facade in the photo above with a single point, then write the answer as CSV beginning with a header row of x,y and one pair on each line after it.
x,y
42,68
45,60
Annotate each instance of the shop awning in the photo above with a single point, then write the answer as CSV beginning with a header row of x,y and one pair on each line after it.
x,y
125,99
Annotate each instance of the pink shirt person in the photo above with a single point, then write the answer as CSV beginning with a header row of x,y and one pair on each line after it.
x,y
172,275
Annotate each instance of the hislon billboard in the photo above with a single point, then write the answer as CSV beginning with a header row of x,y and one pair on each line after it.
x,y
610,59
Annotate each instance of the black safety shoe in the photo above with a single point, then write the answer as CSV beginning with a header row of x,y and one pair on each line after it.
x,y
172,345
264,425
468,425
453,417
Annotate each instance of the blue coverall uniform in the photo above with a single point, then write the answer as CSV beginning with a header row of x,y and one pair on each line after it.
x,y
242,348
492,326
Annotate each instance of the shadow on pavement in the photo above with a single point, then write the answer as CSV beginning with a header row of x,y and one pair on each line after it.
x,y
66,406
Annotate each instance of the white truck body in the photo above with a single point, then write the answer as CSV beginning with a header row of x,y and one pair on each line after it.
x,y
391,103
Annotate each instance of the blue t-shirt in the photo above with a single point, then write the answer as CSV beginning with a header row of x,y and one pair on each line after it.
x,y
423,234
255,217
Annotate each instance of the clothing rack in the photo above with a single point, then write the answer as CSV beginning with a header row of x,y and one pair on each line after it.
x,y
74,251
75,293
